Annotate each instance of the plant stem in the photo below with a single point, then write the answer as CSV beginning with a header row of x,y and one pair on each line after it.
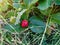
x,y
8,23
45,31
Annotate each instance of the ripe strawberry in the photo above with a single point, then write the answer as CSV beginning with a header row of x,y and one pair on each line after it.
x,y
24,23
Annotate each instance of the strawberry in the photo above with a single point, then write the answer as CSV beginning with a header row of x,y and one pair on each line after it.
x,y
24,23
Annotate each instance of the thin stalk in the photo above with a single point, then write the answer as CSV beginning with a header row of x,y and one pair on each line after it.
x,y
48,20
8,23
57,42
45,30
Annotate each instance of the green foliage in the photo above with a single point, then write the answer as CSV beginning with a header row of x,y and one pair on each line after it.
x,y
57,2
17,28
37,25
46,12
56,17
10,13
30,2
44,4
40,31
19,16
16,5
15,1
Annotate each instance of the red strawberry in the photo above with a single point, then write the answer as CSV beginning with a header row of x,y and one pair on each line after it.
x,y
24,23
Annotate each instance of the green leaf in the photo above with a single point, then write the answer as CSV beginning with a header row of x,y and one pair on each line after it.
x,y
44,4
56,18
24,16
17,28
33,2
46,12
27,2
10,13
36,21
37,29
57,2
15,1
3,7
30,2
16,5
37,25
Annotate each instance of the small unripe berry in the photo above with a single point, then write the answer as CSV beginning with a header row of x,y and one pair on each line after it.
x,y
24,23
36,4
12,19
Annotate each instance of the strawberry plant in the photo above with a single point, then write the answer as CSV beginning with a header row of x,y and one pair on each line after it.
x,y
30,22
